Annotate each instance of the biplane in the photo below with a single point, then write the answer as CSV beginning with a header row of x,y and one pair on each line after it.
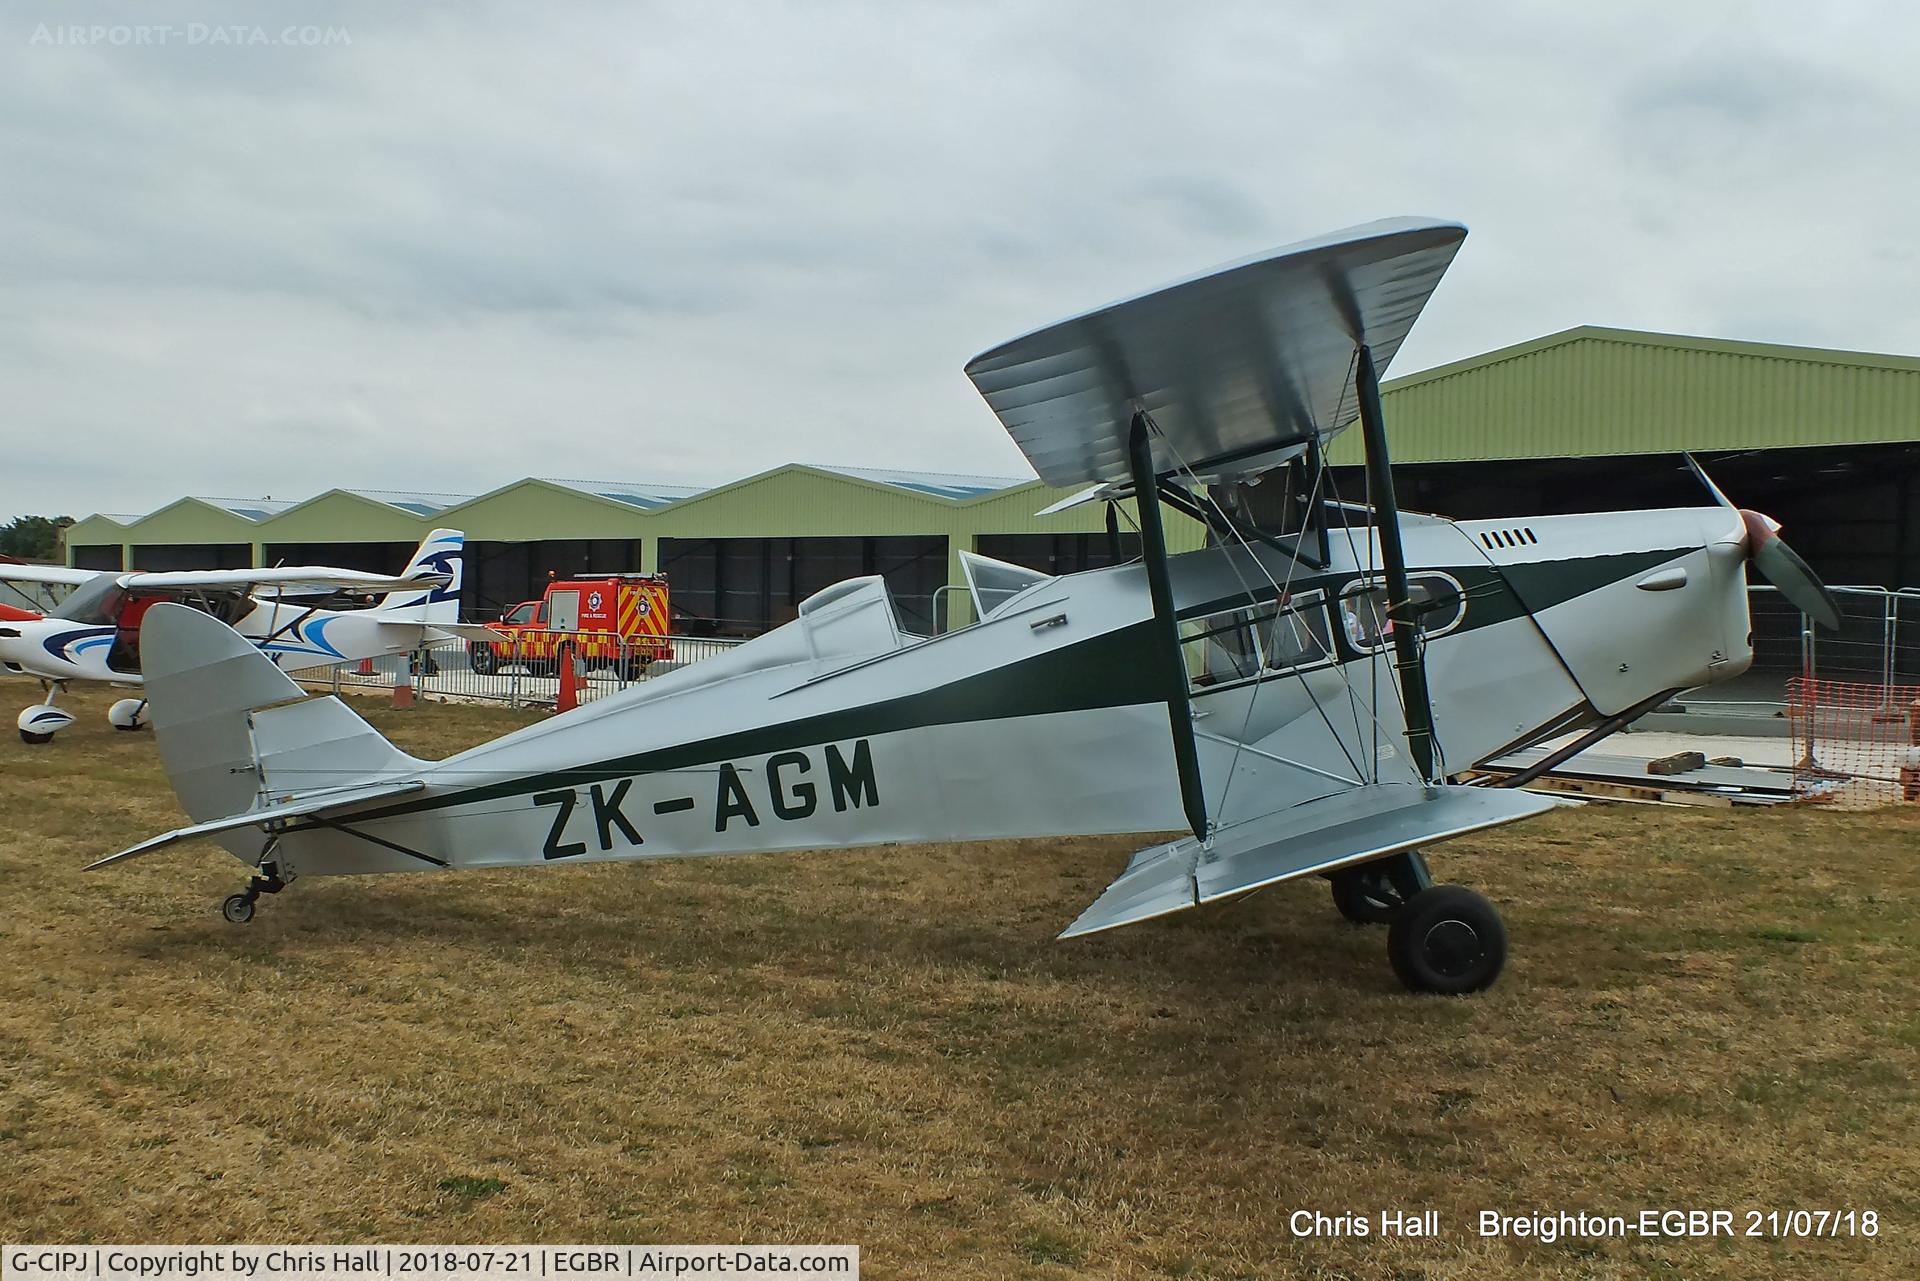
x,y
95,634
1295,699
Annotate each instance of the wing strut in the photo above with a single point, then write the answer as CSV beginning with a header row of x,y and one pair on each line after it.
x,y
1407,659
1153,543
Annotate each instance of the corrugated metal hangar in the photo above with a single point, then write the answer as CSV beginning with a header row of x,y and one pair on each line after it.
x,y
1828,442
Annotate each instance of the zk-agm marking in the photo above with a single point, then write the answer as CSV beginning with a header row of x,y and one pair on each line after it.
x,y
791,794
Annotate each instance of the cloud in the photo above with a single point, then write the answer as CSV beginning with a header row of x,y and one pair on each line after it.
x,y
680,242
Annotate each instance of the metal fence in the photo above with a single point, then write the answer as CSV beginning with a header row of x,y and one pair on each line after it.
x,y
446,671
1878,644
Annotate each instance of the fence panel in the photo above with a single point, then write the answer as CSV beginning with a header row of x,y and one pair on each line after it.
x,y
446,671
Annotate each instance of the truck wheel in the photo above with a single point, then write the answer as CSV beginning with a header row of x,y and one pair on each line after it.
x,y
634,667
483,659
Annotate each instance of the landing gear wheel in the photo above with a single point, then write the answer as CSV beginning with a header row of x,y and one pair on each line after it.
x,y
1366,898
1448,940
238,908
36,739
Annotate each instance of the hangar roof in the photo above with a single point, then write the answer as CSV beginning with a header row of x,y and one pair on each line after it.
x,y
642,494
1597,391
245,508
937,484
419,504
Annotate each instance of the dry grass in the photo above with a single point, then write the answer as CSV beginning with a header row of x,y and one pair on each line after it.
x,y
1705,1009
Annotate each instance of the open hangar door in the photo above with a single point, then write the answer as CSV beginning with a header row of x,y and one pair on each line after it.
x,y
500,575
1057,553
1852,510
372,558
100,556
745,586
166,557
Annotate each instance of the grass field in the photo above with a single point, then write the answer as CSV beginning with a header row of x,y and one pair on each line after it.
x,y
1711,1009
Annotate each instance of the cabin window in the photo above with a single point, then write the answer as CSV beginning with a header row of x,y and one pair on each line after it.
x,y
1220,648
1437,600
1240,644
1298,636
521,614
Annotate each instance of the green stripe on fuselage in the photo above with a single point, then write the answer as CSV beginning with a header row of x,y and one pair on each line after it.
x,y
1114,669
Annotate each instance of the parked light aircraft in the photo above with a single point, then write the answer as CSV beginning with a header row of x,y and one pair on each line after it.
x,y
1296,696
95,634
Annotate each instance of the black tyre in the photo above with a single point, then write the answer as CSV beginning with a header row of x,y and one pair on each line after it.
x,y
1365,897
1449,940
28,736
634,667
483,659
237,908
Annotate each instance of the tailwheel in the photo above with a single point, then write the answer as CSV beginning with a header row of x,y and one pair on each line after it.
x,y
238,908
1448,940
1366,896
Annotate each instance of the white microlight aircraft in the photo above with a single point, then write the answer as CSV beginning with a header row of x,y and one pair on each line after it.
x,y
1296,695
96,635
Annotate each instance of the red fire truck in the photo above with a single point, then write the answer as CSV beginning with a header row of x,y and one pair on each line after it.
x,y
612,620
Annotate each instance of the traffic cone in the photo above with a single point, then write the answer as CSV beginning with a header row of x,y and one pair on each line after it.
x,y
365,668
569,681
402,689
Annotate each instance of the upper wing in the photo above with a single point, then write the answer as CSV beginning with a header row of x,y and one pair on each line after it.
x,y
288,580
11,573
1238,367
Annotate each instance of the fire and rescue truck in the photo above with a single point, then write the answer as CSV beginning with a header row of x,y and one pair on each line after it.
x,y
611,620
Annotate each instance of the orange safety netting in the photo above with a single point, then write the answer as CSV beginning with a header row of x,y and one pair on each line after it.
x,y
1856,744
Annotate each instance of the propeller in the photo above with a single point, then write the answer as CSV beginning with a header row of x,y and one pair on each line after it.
x,y
1776,562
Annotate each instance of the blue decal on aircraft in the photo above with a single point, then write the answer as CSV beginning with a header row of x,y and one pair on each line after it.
x,y
65,645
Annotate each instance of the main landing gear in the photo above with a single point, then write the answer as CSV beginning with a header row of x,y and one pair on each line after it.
x,y
1440,938
39,723
238,908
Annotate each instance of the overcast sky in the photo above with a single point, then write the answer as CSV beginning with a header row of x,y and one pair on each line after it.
x,y
444,247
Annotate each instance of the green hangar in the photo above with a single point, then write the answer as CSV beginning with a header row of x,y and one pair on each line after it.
x,y
1827,442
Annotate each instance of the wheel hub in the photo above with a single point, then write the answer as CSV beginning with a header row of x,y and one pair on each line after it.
x,y
1453,947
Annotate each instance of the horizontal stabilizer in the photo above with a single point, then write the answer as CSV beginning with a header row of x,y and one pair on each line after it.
x,y
331,798
285,580
1346,827
475,632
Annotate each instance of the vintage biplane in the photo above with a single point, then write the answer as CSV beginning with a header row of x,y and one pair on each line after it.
x,y
1296,695
95,633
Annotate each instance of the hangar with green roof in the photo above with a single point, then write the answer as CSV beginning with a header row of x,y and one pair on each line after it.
x,y
1827,442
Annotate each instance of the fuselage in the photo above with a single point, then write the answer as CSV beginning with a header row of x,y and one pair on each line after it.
x,y
95,635
1050,716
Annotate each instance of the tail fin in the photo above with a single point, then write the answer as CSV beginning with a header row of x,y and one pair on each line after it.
x,y
235,734
442,552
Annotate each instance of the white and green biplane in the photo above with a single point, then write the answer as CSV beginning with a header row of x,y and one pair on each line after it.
x,y
1294,698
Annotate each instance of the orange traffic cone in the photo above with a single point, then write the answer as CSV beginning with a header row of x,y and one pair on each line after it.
x,y
569,681
365,668
402,689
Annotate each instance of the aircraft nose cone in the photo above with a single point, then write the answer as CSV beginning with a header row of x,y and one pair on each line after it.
x,y
1761,529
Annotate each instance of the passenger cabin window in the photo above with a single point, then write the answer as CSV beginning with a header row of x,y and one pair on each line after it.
x,y
1243,644
1437,602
